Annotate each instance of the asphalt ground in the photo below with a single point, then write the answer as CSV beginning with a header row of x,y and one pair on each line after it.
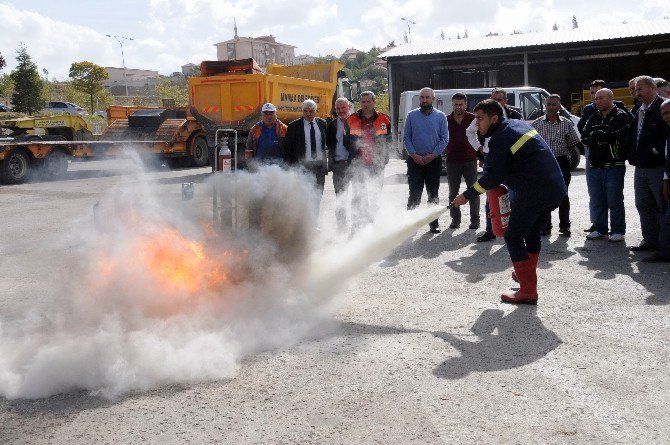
x,y
417,349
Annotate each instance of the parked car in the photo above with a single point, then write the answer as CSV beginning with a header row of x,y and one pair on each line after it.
x,y
58,107
4,108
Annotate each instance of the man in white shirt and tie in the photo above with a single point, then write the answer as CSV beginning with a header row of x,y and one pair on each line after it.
x,y
305,143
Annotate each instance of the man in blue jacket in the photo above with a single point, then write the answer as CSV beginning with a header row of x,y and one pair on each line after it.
x,y
521,159
425,137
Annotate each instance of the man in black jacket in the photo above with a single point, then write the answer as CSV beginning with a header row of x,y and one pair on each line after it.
x,y
605,136
305,143
646,151
663,254
590,110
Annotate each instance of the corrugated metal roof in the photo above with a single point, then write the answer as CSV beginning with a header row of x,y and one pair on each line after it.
x,y
651,28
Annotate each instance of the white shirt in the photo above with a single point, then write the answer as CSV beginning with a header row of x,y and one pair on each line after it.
x,y
308,145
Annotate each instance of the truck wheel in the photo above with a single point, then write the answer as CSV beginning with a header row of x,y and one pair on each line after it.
x,y
199,152
574,157
55,165
15,168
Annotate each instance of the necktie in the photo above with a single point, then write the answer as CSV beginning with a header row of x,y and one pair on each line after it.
x,y
640,120
312,139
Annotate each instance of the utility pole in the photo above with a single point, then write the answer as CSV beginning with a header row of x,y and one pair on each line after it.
x,y
119,40
409,28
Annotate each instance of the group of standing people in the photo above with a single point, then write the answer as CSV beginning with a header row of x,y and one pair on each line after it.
x,y
614,135
531,160
354,146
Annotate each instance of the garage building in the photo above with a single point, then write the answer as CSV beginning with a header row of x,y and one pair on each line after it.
x,y
559,61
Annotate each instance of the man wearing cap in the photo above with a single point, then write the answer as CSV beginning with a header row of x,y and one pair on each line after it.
x,y
266,138
305,143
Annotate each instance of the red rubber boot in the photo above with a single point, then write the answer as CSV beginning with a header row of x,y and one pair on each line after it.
x,y
534,259
527,294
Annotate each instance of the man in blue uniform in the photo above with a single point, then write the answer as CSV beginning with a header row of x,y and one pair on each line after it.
x,y
521,159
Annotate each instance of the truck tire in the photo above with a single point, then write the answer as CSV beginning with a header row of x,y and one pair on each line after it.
x,y
574,156
199,151
54,166
15,168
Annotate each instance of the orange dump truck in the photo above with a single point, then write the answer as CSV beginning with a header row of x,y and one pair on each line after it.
x,y
228,94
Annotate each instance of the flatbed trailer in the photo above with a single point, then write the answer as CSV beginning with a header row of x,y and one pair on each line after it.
x,y
180,141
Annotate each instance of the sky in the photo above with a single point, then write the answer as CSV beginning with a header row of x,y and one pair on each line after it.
x,y
167,34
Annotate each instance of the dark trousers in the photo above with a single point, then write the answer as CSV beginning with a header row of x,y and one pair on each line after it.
x,y
319,173
419,176
523,233
341,179
649,201
664,235
468,171
564,207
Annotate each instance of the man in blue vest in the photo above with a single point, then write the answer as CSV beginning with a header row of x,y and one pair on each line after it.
x,y
521,159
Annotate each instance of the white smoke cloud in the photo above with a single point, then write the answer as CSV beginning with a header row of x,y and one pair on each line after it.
x,y
161,292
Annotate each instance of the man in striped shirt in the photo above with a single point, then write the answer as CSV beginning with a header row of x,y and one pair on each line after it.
x,y
559,133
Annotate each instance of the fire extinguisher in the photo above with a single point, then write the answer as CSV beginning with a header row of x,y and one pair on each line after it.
x,y
225,159
499,209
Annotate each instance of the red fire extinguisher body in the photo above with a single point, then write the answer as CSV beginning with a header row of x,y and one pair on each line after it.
x,y
499,209
225,159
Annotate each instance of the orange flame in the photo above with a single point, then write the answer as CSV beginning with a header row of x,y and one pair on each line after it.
x,y
174,263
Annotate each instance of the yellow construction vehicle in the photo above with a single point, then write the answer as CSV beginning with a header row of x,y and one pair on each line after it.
x,y
230,94
227,95
582,99
63,127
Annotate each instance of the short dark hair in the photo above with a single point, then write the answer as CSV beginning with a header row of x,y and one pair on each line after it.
x,y
490,107
598,83
499,90
459,96
660,83
554,96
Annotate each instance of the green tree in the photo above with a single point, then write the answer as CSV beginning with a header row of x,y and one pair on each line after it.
x,y
88,78
575,25
27,95
173,89
6,86
2,62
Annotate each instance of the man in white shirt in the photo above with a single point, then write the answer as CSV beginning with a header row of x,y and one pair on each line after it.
x,y
305,143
